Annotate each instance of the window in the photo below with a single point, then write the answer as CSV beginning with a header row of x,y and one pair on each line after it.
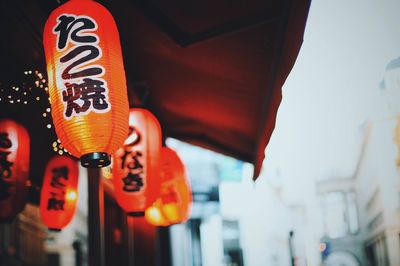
x,y
339,211
376,251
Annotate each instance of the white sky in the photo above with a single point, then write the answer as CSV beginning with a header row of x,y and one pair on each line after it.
x,y
332,89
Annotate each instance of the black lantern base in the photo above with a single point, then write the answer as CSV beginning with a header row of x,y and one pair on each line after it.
x,y
135,214
56,230
95,160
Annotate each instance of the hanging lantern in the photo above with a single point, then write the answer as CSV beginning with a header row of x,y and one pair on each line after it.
x,y
87,83
173,206
136,166
14,169
59,193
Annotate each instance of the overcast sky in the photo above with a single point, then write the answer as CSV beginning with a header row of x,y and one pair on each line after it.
x,y
335,86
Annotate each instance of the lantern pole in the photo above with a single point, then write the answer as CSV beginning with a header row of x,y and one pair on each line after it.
x,y
130,240
145,252
96,218
163,246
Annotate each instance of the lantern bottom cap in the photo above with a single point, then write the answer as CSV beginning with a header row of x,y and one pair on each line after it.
x,y
135,214
54,229
95,160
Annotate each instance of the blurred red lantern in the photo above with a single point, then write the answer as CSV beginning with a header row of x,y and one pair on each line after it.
x,y
136,166
173,206
59,192
86,79
14,169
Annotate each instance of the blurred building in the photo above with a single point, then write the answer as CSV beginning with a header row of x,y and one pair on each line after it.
x,y
235,221
341,243
22,240
27,241
361,214
377,183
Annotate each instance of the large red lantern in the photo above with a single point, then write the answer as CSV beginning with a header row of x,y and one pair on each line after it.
x,y
59,193
173,206
136,166
86,79
14,169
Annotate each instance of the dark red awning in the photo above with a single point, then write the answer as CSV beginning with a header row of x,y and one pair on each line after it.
x,y
211,71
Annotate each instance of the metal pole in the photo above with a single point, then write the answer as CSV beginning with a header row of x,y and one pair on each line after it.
x,y
130,240
291,249
96,218
163,247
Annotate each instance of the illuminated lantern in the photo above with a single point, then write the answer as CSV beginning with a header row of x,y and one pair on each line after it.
x,y
14,169
59,193
136,165
86,79
175,201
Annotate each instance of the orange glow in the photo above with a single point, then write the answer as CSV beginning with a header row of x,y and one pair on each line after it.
x,y
155,217
175,201
59,196
71,196
14,172
171,212
136,171
106,172
86,79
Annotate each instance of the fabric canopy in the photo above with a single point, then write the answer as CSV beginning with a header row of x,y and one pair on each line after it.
x,y
211,71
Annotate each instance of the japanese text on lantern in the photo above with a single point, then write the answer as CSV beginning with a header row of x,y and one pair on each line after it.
x,y
57,199
84,91
132,163
5,166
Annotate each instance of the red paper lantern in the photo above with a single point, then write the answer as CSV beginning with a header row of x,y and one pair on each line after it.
x,y
136,166
86,79
14,169
173,206
59,192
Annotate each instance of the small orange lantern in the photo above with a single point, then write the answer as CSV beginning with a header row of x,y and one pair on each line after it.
x,y
174,204
14,169
136,166
155,216
86,79
59,192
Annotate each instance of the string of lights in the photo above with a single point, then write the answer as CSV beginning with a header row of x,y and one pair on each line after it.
x,y
33,89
